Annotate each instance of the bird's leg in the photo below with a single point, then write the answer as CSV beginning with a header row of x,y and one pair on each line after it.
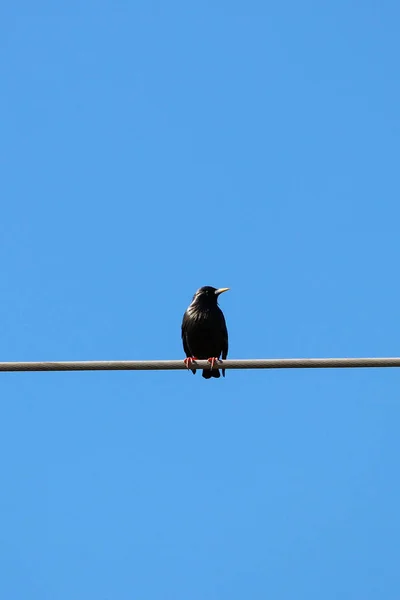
x,y
212,361
189,360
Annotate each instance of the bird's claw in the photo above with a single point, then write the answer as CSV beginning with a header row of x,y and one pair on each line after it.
x,y
189,360
212,361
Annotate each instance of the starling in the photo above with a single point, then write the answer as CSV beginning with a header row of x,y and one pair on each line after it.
x,y
204,333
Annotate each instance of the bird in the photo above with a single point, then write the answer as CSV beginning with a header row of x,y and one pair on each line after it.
x,y
204,332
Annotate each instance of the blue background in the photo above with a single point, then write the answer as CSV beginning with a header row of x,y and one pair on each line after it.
x,y
149,148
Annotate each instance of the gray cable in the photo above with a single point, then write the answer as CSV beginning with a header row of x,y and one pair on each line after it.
x,y
159,365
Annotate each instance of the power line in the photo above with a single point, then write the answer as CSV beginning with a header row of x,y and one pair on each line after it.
x,y
168,365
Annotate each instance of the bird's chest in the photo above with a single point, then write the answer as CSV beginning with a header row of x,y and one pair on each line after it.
x,y
204,334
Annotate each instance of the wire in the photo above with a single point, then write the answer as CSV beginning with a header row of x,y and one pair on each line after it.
x,y
168,365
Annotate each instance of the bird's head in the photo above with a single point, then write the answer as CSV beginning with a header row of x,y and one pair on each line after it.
x,y
207,295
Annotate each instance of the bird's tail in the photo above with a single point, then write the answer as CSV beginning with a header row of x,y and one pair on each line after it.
x,y
208,373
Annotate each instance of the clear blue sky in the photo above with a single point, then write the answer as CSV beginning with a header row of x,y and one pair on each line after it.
x,y
148,148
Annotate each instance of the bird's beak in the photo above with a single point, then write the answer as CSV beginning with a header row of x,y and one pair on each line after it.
x,y
221,291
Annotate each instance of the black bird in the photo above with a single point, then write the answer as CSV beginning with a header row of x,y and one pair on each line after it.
x,y
204,333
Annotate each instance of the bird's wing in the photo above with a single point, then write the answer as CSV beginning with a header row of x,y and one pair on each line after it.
x,y
224,340
184,339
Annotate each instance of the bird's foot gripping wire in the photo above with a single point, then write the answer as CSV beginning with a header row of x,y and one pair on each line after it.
x,y
189,360
212,361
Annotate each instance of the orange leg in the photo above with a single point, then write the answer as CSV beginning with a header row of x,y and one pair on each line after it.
x,y
189,360
212,361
